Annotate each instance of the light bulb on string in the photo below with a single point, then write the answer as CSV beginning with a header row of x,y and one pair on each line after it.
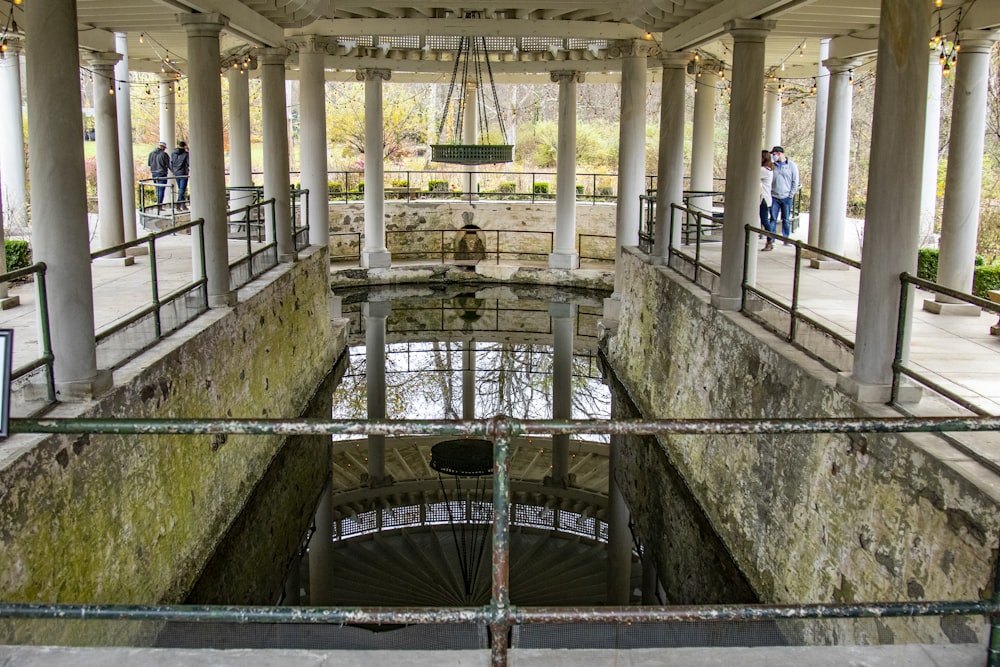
x,y
148,91
3,45
111,91
850,78
938,3
18,2
947,70
812,91
142,38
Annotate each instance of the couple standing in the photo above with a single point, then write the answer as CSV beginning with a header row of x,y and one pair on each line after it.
x,y
178,163
779,181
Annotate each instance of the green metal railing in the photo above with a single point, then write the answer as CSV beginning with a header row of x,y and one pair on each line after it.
x,y
696,224
256,261
45,358
300,212
500,614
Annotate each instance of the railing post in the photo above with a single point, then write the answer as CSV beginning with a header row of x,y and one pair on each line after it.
x,y
897,360
44,335
155,286
746,264
993,654
793,325
204,267
500,599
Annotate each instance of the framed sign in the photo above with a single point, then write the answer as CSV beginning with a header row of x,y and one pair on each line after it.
x,y
6,357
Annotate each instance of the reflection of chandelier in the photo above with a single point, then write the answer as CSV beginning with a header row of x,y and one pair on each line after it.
x,y
471,59
469,514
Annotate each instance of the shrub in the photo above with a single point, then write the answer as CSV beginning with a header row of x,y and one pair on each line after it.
x,y
605,191
580,189
984,279
361,186
399,184
927,264
541,188
507,187
438,186
18,254
335,187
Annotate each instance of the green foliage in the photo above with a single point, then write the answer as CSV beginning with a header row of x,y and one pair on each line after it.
x,y
580,189
438,186
927,264
18,254
507,187
540,188
336,187
399,183
361,186
984,279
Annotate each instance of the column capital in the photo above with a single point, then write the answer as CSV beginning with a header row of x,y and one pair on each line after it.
x,y
559,76
104,61
675,59
373,74
313,44
271,55
632,48
839,65
977,41
710,65
203,25
14,45
749,30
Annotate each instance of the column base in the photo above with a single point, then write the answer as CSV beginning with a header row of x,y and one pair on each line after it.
x,y
562,260
334,306
84,390
809,254
863,392
115,261
612,309
727,302
224,300
288,258
827,265
137,251
8,302
964,309
380,259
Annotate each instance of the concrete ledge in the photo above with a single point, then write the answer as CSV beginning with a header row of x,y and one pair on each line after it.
x,y
9,302
128,260
567,261
137,251
876,393
962,309
84,390
827,265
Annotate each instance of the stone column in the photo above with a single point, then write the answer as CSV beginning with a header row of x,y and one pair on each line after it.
x,y
565,255
168,110
893,212
376,314
469,379
670,168
563,329
837,165
312,117
932,139
126,160
208,175
743,161
631,158
321,574
375,254
110,228
772,114
619,534
240,166
276,180
470,135
819,142
12,168
964,178
59,231
703,135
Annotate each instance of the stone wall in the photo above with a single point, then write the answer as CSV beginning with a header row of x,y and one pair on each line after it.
x,y
806,518
134,519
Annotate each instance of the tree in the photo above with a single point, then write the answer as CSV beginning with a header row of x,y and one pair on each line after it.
x,y
404,114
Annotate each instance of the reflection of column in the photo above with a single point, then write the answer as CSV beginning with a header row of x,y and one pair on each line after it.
x,y
819,142
619,535
375,254
470,134
743,161
168,110
892,223
123,98
564,255
240,168
563,320
772,115
293,583
208,176
111,231
312,148
964,178
670,169
932,140
832,220
703,135
469,380
321,551
59,232
12,171
375,318
276,180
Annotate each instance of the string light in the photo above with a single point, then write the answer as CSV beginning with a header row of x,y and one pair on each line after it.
x,y
3,45
142,38
938,3
812,91
850,78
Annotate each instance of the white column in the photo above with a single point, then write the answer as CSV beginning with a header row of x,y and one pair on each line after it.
x,y
743,159
208,174
375,254
819,142
565,255
469,379
563,330
240,166
772,114
59,233
110,228
376,313
312,119
168,109
892,223
126,161
276,180
12,168
470,135
964,178
670,168
932,140
631,159
836,168
703,135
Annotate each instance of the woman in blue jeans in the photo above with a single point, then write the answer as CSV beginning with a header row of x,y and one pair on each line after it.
x,y
766,176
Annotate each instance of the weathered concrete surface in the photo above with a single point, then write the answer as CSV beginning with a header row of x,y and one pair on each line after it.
x,y
482,272
105,519
807,519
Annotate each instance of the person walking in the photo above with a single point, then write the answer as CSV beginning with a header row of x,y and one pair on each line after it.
x,y
784,185
180,164
159,162
766,178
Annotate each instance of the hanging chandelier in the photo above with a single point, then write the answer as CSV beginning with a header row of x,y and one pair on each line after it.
x,y
472,68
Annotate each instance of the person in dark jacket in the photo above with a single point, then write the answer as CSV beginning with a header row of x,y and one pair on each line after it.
x,y
180,164
159,163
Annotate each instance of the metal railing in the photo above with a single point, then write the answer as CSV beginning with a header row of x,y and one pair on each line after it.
x,y
44,361
300,218
250,219
501,615
697,225
165,313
